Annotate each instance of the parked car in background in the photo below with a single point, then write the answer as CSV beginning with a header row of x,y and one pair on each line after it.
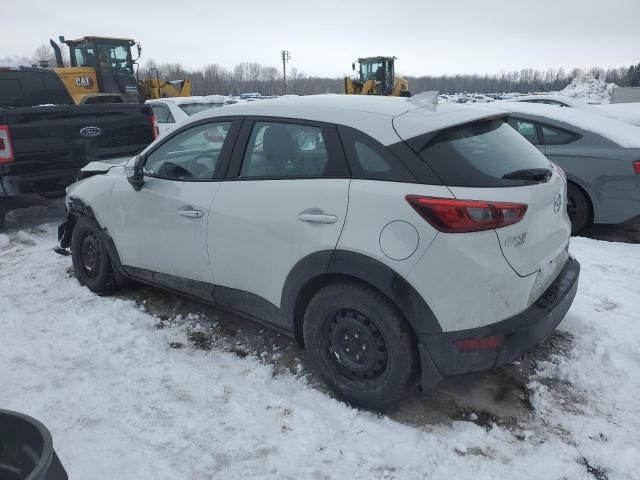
x,y
626,112
173,110
600,156
394,242
45,138
477,98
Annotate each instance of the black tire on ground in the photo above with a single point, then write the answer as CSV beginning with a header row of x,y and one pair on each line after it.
x,y
578,208
360,345
91,262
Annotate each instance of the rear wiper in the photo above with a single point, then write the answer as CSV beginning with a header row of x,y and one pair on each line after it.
x,y
537,174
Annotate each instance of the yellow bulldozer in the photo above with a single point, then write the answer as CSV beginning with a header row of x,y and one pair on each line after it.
x,y
102,71
376,76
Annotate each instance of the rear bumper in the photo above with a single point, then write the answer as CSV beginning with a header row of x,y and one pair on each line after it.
x,y
515,336
50,183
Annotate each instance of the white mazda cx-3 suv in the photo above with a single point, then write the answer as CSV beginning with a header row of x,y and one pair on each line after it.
x,y
396,240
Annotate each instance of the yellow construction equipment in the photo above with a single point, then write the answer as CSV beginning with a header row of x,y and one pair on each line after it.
x,y
102,71
376,76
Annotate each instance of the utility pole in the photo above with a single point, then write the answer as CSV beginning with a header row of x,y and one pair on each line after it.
x,y
286,56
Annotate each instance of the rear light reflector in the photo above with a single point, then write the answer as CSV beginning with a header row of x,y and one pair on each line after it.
x,y
6,147
481,343
154,127
450,215
636,167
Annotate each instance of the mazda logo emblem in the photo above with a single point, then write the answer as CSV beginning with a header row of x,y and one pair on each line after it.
x,y
90,131
557,203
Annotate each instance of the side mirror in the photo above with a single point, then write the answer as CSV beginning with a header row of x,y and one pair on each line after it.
x,y
133,170
353,66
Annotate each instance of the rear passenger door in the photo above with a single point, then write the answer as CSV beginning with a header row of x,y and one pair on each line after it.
x,y
285,197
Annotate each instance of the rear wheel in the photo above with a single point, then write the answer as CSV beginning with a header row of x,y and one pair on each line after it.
x,y
91,262
360,345
578,208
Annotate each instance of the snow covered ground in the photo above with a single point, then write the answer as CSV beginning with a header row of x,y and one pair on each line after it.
x,y
122,400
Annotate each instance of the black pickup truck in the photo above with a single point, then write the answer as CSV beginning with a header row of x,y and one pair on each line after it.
x,y
45,139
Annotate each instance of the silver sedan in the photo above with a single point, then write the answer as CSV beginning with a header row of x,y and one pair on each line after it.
x,y
600,155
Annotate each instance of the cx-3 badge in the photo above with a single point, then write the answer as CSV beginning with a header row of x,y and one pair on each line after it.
x,y
557,203
90,131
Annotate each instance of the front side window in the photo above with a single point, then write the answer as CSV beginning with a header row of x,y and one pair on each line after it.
x,y
526,129
190,155
481,154
285,150
84,56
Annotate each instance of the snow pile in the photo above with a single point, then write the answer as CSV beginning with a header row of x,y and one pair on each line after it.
x,y
589,89
122,403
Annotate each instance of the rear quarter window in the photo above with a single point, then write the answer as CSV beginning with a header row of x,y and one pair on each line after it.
x,y
480,154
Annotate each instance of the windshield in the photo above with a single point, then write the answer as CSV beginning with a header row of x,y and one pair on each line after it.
x,y
193,108
114,58
369,71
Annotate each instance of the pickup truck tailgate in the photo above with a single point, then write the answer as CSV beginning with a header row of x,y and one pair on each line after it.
x,y
51,143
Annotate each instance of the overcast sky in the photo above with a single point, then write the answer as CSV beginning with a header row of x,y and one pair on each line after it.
x,y
428,37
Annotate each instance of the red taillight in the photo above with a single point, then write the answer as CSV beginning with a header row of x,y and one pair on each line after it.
x,y
154,127
6,147
480,343
459,216
636,167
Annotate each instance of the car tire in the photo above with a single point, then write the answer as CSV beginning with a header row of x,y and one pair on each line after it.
x,y
360,345
91,262
578,208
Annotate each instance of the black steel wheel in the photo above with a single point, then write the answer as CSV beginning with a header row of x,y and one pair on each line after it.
x,y
91,262
360,345
356,344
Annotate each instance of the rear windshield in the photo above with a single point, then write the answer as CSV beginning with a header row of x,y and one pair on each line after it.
x,y
29,89
480,154
193,108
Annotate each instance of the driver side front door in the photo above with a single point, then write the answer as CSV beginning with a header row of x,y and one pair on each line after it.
x,y
163,227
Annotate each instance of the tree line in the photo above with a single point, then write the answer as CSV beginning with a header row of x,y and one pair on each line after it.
x,y
252,77
267,80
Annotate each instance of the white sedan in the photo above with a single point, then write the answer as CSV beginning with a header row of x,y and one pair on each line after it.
x,y
171,111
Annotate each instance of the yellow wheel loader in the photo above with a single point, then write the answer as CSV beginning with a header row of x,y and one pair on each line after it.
x,y
102,71
376,76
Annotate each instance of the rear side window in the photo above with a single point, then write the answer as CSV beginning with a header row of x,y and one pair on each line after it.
x,y
287,150
527,129
480,155
557,136
162,113
369,159
29,89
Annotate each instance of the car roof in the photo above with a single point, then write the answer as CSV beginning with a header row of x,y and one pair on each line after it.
x,y
387,119
213,99
619,132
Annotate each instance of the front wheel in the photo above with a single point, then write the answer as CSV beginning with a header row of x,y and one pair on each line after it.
x,y
360,345
91,262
